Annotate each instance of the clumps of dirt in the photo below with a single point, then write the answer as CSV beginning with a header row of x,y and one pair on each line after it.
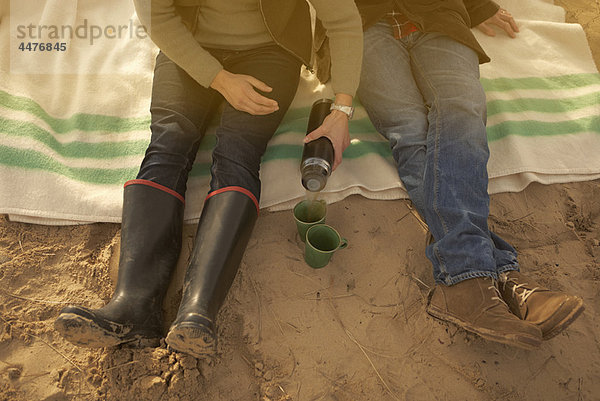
x,y
580,216
271,376
9,393
153,373
577,218
273,392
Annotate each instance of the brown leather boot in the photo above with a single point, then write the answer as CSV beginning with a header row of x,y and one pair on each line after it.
x,y
476,306
551,311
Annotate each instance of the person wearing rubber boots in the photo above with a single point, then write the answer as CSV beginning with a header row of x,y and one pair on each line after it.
x,y
247,54
420,87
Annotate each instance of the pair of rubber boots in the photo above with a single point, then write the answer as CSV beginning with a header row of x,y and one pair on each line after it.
x,y
150,246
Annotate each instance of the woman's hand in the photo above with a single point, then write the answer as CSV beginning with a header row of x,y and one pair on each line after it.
x,y
504,20
239,90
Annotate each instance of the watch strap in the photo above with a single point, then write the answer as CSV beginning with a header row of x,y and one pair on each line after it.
x,y
347,110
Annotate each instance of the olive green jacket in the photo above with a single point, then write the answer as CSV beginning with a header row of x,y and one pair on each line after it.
x,y
288,23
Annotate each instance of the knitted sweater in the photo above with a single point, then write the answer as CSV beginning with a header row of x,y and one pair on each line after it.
x,y
286,22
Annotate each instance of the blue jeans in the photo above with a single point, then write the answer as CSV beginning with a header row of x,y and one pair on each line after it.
x,y
423,94
181,110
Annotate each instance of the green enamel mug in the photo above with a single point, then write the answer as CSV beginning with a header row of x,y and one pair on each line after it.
x,y
308,213
322,241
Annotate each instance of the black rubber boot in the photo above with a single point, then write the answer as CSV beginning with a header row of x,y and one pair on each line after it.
x,y
150,245
223,233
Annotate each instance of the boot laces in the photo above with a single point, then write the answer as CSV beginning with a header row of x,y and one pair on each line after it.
x,y
524,294
524,291
498,296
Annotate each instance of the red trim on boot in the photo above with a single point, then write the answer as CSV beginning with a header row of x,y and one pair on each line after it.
x,y
237,189
157,186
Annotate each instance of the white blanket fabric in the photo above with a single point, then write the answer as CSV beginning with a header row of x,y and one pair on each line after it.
x,y
74,124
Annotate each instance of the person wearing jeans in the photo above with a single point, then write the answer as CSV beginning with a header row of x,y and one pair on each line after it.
x,y
246,54
420,87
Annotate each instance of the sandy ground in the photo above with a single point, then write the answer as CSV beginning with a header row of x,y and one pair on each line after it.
x,y
355,330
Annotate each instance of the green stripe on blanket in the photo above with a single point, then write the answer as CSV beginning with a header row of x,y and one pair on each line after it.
x,y
532,128
74,149
33,160
542,105
560,82
354,151
30,159
79,121
99,122
98,130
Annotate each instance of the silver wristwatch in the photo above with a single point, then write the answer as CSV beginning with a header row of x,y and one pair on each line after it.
x,y
347,110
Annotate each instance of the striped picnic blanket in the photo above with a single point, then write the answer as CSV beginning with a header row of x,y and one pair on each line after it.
x,y
74,124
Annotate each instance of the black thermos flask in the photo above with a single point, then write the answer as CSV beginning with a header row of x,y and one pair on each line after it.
x,y
317,156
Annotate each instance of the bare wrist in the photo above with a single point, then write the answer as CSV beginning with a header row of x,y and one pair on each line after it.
x,y
217,81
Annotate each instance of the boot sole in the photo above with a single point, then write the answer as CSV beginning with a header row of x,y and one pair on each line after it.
x,y
578,310
193,339
520,341
86,332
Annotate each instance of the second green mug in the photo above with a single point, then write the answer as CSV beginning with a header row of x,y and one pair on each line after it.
x,y
321,243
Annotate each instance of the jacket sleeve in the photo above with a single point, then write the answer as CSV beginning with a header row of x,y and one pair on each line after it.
x,y
480,10
176,41
342,23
